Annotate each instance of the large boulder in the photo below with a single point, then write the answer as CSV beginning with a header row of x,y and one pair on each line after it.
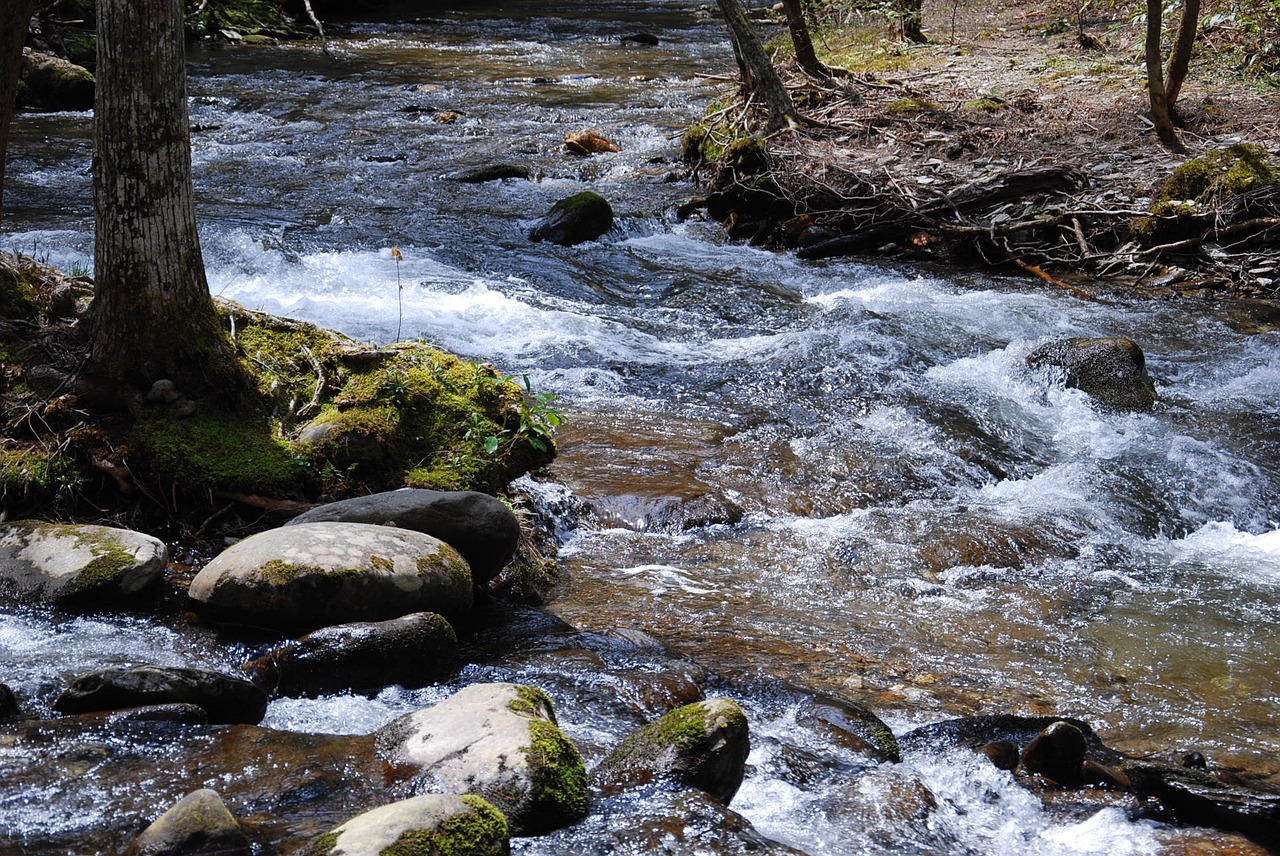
x,y
318,574
91,565
426,825
1112,370
480,527
499,741
413,651
224,698
52,83
199,824
575,219
702,745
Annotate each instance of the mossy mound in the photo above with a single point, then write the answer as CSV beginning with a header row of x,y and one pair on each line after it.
x,y
262,19
1196,189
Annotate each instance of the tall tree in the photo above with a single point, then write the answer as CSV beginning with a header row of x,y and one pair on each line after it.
x,y
759,78
152,315
1160,114
15,16
1180,53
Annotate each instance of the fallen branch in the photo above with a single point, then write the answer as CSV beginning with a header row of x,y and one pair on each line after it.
x,y
267,503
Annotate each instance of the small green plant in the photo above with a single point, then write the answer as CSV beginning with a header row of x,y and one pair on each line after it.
x,y
399,257
539,417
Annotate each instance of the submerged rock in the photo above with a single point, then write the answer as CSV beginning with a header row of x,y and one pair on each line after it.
x,y
224,698
413,651
199,824
80,564
491,172
582,217
1113,370
480,527
702,745
444,824
318,574
499,741
850,726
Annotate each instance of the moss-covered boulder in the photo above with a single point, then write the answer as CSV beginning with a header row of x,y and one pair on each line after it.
x,y
53,83
319,574
76,564
1200,186
412,651
479,526
224,698
574,220
199,824
499,741
428,825
702,745
1111,370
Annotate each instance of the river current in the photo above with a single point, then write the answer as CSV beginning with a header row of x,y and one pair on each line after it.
x,y
836,474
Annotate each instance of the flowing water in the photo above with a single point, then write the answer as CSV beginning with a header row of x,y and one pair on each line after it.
x,y
834,474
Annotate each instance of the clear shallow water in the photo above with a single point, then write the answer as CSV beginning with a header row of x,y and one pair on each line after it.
x,y
885,501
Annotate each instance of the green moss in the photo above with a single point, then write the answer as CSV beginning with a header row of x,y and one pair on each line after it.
x,y
887,743
1226,172
687,727
984,105
558,776
246,17
911,107
36,473
481,832
531,702
323,845
218,453
747,156
381,563
17,290
105,570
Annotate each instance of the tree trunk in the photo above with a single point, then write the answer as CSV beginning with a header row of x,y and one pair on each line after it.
x,y
911,19
1180,54
1155,80
801,41
758,74
15,17
152,316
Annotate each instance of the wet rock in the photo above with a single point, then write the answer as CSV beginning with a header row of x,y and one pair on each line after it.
x,y
491,172
647,39
318,574
178,713
347,448
588,143
225,699
8,703
974,732
1112,370
669,513
582,217
850,726
413,651
1057,753
891,809
480,527
665,821
1001,753
702,745
427,825
501,742
53,83
76,564
1194,798
197,825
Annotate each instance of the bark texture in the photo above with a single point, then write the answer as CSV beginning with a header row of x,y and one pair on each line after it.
x,y
1180,54
1160,114
911,19
759,79
152,313
806,56
15,16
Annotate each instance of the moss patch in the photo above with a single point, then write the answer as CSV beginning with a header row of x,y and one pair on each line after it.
x,y
218,453
911,107
1220,174
558,777
481,832
323,845
36,474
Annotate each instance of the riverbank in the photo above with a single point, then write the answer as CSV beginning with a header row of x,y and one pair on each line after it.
x,y
1018,140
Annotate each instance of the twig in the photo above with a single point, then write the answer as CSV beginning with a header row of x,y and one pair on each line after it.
x,y
314,403
324,44
1034,269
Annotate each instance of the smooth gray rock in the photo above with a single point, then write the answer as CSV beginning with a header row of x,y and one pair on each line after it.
x,y
319,574
92,565
413,651
199,824
1111,370
702,745
434,823
480,527
575,219
499,741
224,698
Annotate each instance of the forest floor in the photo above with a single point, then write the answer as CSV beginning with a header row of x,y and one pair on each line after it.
x,y
1024,88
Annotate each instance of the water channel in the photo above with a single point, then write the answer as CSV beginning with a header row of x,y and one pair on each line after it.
x,y
838,475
